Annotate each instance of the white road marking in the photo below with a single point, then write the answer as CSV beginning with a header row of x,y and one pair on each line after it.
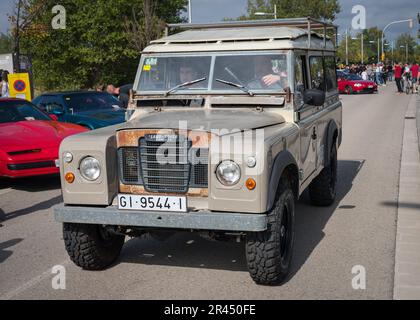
x,y
34,281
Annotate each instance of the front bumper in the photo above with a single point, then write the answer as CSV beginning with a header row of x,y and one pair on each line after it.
x,y
200,220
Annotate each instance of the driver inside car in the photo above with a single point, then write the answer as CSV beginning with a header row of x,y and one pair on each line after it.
x,y
266,75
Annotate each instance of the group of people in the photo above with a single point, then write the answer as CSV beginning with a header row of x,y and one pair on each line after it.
x,y
381,73
407,75
4,84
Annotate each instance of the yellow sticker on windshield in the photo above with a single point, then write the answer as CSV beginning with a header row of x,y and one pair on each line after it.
x,y
147,67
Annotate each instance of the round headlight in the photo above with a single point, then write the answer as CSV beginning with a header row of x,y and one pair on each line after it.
x,y
68,157
228,173
90,168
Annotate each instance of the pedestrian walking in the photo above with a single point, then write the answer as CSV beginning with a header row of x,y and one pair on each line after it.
x,y
398,74
5,84
415,76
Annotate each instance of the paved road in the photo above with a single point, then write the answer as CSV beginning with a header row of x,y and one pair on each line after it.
x,y
358,230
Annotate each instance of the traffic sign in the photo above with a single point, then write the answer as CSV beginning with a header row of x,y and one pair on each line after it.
x,y
20,86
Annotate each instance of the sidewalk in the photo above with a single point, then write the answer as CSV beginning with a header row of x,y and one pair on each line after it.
x,y
407,255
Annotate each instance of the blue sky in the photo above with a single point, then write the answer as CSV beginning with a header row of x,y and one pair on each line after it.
x,y
379,13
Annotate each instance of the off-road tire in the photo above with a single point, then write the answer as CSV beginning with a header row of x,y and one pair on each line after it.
x,y
269,253
322,190
88,248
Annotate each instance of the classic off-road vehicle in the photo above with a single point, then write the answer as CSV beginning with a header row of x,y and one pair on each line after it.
x,y
228,124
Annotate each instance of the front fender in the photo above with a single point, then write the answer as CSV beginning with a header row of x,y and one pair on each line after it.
x,y
332,129
281,162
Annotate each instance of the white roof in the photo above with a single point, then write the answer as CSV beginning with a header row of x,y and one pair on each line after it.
x,y
232,39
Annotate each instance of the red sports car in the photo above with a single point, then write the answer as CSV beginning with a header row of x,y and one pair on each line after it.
x,y
352,83
29,139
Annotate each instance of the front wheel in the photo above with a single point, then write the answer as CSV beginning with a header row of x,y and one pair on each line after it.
x,y
269,253
91,247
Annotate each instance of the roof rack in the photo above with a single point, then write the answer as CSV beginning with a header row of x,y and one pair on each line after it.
x,y
307,23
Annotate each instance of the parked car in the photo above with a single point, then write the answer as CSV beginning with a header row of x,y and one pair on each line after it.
x,y
352,83
89,109
268,86
29,139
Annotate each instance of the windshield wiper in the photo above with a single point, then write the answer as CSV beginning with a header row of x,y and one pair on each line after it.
x,y
185,84
241,87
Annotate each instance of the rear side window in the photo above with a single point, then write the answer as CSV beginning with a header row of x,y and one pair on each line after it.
x,y
330,73
317,73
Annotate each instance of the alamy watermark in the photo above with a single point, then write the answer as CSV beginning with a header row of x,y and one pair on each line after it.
x,y
60,19
58,282
359,280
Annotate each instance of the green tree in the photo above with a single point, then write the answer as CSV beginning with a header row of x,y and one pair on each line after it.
x,y
318,9
370,47
404,43
6,43
99,43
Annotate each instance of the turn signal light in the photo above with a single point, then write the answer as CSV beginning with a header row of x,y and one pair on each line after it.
x,y
69,177
251,184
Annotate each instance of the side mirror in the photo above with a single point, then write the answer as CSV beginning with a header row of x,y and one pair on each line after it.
x,y
314,97
54,117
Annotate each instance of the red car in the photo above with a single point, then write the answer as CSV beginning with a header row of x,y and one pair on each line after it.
x,y
29,139
352,83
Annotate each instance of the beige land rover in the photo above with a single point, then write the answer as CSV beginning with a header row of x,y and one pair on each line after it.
x,y
227,125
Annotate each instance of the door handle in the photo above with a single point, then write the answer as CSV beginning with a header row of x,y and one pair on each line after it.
x,y
314,135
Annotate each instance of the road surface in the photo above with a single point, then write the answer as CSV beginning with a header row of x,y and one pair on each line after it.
x,y
360,229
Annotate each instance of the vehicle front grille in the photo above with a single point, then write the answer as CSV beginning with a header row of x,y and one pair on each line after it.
x,y
166,164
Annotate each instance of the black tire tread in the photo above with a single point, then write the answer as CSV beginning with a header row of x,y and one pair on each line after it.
x,y
262,249
87,250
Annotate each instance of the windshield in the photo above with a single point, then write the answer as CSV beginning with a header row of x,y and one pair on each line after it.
x,y
259,72
90,101
14,111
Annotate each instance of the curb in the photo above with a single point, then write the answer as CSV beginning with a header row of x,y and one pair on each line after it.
x,y
407,251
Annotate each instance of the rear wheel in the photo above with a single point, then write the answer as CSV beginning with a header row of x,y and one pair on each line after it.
x,y
322,190
91,247
269,253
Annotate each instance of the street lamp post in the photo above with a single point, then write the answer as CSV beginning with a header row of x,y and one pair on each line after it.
x,y
267,13
189,11
347,47
390,24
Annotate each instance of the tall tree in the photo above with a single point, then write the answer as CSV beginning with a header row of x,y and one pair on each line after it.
x,y
405,48
99,43
6,43
318,9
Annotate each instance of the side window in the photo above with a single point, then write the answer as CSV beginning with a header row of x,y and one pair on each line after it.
x,y
317,73
330,73
300,74
50,103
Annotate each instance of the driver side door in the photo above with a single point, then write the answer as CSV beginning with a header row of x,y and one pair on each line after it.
x,y
309,74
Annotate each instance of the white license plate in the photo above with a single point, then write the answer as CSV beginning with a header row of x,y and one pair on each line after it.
x,y
370,87
152,203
